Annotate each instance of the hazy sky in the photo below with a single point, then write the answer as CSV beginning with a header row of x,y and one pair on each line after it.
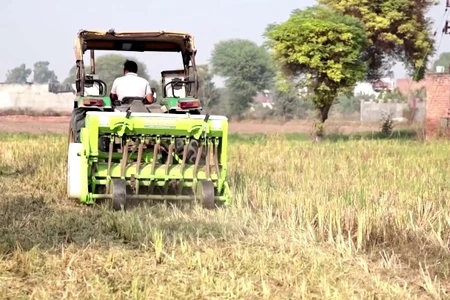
x,y
46,29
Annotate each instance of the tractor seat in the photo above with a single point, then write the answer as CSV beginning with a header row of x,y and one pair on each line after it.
x,y
129,100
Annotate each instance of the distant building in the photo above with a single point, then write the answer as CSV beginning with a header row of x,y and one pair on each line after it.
x,y
374,88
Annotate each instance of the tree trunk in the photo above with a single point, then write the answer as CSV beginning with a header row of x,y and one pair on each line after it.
x,y
322,116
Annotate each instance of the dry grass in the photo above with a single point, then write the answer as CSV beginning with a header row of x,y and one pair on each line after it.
x,y
341,220
32,113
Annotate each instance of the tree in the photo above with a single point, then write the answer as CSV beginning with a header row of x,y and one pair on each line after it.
x,y
247,68
207,91
288,102
348,105
222,106
444,61
323,49
395,96
109,67
397,30
157,85
19,74
42,74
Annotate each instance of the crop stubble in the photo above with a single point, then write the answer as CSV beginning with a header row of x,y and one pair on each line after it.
x,y
355,219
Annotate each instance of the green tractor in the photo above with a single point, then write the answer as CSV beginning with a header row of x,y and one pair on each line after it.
x,y
180,87
130,150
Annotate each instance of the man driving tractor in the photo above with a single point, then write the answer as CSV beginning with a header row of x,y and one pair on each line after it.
x,y
131,85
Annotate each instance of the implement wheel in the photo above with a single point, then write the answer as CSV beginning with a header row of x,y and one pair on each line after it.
x,y
205,194
119,194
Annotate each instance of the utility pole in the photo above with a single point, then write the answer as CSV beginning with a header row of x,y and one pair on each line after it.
x,y
446,28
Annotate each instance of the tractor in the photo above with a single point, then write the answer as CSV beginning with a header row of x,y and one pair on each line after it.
x,y
132,150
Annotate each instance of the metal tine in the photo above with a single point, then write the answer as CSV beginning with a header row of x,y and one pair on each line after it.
x,y
208,159
169,162
124,159
169,155
155,156
185,151
110,151
183,163
216,157
138,163
197,159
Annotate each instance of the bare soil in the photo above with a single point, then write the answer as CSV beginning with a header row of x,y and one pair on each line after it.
x,y
39,124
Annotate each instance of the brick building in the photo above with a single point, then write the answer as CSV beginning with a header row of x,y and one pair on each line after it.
x,y
437,114
407,86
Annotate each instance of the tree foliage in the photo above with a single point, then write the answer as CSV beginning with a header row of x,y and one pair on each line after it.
x,y
444,61
324,49
157,85
247,68
42,74
288,104
397,30
207,91
18,75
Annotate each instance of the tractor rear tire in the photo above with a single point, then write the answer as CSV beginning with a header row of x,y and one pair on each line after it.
x,y
77,121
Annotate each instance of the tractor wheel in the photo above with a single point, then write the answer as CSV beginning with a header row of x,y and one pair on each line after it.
x,y
119,194
77,121
205,194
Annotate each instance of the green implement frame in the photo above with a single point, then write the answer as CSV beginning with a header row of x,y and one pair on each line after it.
x,y
150,156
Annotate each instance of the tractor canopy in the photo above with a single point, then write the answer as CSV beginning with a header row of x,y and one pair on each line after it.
x,y
183,92
140,41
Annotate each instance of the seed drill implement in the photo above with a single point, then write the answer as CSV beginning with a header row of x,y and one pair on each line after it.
x,y
131,150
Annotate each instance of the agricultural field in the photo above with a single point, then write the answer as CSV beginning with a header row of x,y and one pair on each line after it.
x,y
354,217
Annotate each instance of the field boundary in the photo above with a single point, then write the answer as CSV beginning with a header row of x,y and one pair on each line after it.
x,y
29,121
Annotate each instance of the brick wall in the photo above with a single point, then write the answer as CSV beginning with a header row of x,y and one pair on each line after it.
x,y
437,104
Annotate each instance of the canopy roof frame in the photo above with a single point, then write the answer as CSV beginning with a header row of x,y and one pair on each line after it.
x,y
141,41
160,41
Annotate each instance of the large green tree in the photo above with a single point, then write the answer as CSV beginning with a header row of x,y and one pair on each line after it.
x,y
397,31
207,91
42,74
109,67
19,74
247,69
322,50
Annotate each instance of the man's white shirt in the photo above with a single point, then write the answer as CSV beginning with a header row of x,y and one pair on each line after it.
x,y
130,85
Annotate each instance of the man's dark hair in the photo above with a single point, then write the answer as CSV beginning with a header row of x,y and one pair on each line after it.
x,y
130,66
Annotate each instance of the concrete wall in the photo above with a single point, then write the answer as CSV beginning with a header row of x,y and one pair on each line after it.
x,y
37,98
373,112
34,97
438,104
